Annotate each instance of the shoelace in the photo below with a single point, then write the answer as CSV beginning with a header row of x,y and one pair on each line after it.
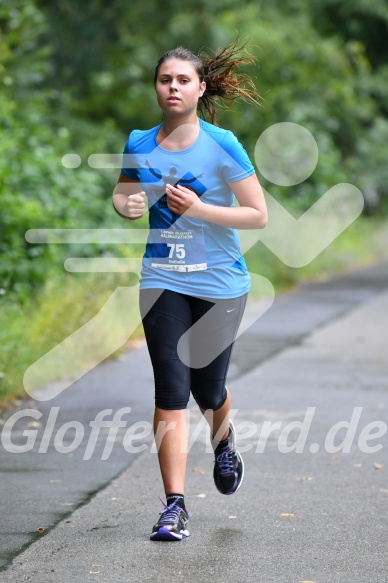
x,y
170,513
225,462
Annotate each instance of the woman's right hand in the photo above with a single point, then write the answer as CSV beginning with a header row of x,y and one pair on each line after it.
x,y
128,202
135,205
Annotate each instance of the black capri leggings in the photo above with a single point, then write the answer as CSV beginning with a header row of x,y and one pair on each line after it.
x,y
190,341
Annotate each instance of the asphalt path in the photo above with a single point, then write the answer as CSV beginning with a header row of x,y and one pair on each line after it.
x,y
309,382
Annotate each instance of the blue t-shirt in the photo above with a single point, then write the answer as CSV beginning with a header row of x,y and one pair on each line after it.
x,y
184,254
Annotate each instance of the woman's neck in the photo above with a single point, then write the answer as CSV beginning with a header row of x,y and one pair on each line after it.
x,y
178,134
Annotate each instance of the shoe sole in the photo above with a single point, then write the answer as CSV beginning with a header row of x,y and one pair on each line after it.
x,y
164,534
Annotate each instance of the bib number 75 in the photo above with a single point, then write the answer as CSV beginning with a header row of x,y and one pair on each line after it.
x,y
178,249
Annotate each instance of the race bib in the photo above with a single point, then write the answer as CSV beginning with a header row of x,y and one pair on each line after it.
x,y
177,250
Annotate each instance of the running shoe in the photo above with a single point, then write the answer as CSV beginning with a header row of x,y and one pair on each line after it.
x,y
228,466
171,524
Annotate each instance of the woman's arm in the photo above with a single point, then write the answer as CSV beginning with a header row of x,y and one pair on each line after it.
x,y
251,214
128,201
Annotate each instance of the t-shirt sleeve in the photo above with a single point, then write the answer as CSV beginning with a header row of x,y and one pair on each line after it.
x,y
128,156
235,162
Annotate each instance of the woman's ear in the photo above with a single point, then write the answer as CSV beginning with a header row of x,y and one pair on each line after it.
x,y
202,88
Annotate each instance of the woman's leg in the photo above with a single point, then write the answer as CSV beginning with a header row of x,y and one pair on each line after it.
x,y
211,345
166,317
171,441
219,419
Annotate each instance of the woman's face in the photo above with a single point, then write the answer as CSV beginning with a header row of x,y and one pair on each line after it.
x,y
178,87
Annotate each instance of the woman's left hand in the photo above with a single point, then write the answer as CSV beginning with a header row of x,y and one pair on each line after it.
x,y
182,200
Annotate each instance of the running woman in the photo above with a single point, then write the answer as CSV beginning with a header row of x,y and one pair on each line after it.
x,y
194,281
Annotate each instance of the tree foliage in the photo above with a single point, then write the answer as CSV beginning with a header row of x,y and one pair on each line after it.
x,y
36,190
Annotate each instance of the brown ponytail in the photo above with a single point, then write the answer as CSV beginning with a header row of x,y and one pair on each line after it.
x,y
223,83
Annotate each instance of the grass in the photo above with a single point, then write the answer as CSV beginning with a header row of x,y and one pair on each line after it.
x,y
363,242
42,335
32,335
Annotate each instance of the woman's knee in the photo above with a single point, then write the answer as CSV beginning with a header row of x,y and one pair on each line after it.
x,y
170,403
172,384
211,399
